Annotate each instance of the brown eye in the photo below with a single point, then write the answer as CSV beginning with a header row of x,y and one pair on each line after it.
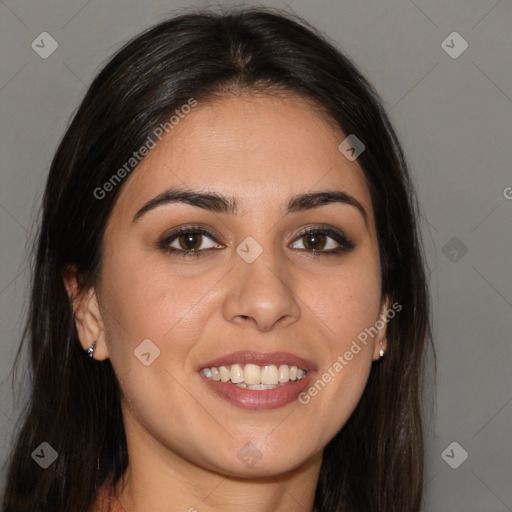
x,y
315,241
325,241
189,241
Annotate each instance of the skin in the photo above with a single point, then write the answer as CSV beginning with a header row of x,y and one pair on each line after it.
x,y
182,438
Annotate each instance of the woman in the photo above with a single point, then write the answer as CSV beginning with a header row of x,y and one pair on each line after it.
x,y
229,307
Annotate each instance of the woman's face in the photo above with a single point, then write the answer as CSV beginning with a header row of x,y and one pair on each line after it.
x,y
255,289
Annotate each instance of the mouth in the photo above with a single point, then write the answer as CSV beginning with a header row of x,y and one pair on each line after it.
x,y
255,380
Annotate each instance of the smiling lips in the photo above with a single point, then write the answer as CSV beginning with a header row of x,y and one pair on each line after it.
x,y
255,380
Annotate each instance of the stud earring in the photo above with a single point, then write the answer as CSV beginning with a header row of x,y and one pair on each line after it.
x,y
90,350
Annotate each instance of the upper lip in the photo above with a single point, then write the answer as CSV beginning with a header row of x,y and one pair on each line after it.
x,y
259,358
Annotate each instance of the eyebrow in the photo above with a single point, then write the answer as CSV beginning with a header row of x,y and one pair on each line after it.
x,y
215,202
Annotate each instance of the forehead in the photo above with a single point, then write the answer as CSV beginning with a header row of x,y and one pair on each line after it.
x,y
259,148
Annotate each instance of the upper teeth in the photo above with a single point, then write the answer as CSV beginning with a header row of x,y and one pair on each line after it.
x,y
254,374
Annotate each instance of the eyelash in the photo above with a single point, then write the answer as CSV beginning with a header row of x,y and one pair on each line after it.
x,y
345,244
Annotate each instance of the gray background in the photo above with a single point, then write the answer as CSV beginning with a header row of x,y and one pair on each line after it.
x,y
453,116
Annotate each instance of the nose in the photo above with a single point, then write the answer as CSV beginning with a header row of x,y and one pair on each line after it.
x,y
261,293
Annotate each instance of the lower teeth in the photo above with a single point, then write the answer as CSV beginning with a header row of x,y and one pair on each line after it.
x,y
243,385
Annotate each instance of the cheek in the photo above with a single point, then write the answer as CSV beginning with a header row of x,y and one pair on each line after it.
x,y
346,301
149,301
346,306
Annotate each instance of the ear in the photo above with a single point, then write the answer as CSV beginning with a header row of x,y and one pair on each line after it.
x,y
86,313
380,341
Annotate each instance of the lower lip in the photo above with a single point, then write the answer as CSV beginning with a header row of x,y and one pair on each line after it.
x,y
255,400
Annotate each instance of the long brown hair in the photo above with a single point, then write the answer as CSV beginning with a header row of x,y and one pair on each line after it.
x,y
375,462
